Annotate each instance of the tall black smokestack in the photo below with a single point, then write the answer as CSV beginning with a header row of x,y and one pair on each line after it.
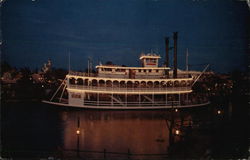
x,y
167,55
175,55
167,50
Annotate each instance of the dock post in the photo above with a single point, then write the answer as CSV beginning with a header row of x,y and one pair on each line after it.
x,y
78,137
171,138
129,154
104,154
78,144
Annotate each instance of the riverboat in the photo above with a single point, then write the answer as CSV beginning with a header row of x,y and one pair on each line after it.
x,y
119,87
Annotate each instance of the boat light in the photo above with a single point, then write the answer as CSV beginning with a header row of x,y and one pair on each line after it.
x,y
177,132
78,132
218,112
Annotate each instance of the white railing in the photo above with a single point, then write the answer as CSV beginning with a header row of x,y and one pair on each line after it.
x,y
142,104
84,74
110,103
110,74
120,89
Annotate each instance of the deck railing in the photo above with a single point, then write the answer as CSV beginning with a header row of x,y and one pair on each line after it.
x,y
108,75
145,104
120,89
83,74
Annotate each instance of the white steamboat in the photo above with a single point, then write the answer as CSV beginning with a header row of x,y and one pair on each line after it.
x,y
120,87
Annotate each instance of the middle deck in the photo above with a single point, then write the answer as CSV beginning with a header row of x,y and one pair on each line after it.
x,y
80,82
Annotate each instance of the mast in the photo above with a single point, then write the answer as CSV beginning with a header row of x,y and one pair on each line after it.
x,y
88,66
91,65
69,62
187,60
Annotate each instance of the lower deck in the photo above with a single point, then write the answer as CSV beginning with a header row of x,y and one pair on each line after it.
x,y
107,107
125,100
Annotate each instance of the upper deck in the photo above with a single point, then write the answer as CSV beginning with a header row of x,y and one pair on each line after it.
x,y
149,76
150,60
146,75
131,72
149,69
93,83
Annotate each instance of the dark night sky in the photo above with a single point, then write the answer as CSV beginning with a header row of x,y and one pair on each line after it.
x,y
214,31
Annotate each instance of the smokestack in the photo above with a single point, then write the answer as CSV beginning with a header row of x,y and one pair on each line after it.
x,y
175,55
167,50
167,55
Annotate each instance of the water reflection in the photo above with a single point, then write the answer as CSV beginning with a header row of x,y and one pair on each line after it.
x,y
140,132
40,130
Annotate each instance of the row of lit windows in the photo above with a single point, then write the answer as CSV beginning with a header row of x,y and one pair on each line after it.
x,y
124,70
150,60
95,82
145,70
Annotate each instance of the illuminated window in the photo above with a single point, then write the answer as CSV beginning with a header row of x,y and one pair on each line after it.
x,y
108,69
76,95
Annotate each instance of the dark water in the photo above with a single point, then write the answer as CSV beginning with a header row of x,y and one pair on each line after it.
x,y
34,129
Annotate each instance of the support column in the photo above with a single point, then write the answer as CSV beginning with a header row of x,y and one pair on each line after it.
x,y
179,98
126,104
83,96
98,99
139,99
126,94
112,102
153,99
166,99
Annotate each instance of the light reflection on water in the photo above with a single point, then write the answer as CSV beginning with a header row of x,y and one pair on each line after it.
x,y
32,128
40,130
142,132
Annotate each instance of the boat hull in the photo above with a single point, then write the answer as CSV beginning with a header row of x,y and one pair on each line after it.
x,y
126,108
